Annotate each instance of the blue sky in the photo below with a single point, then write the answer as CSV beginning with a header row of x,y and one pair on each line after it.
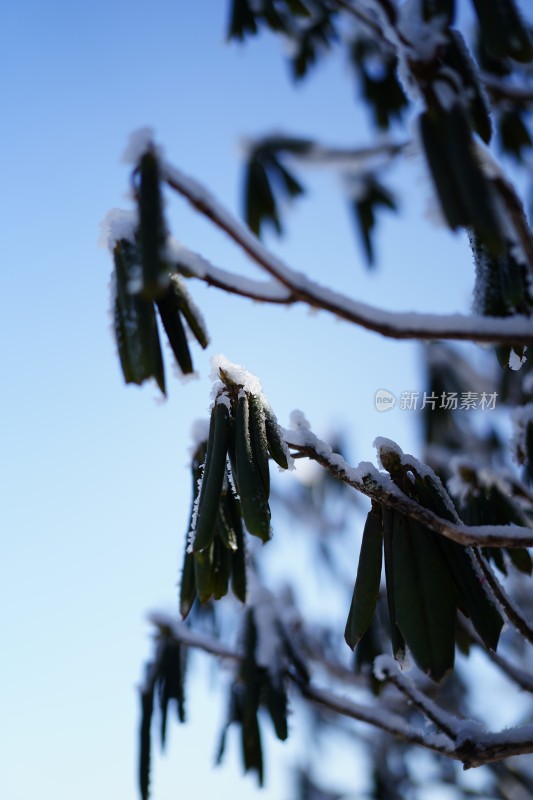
x,y
94,474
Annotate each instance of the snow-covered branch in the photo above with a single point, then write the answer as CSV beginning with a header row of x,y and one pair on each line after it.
x,y
397,325
461,740
379,487
473,746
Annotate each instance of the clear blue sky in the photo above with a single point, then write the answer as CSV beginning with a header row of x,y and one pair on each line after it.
x,y
94,475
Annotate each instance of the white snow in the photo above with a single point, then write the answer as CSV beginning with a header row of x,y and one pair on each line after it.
x,y
298,420
199,433
237,374
402,324
116,225
383,444
139,142
521,417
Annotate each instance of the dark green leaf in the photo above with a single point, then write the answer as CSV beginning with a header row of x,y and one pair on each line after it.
x,y
213,477
397,640
135,323
515,136
147,707
152,228
242,20
475,602
503,30
424,597
169,312
366,589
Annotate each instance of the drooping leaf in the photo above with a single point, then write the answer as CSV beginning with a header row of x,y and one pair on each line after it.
x,y
424,597
376,70
475,602
170,683
371,196
458,57
515,136
366,589
169,313
242,20
135,322
397,639
152,228
147,707
503,29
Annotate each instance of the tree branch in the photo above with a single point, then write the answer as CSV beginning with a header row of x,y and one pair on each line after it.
x,y
396,325
378,718
509,608
459,745
378,486
501,90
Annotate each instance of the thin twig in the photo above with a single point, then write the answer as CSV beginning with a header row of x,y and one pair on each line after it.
x,y
501,90
385,721
442,719
517,675
511,612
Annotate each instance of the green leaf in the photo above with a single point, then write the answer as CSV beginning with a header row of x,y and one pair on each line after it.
x,y
187,583
438,161
424,597
221,569
397,640
254,503
169,313
191,314
476,191
171,683
147,707
242,20
373,196
432,9
135,323
366,589
238,575
152,228
213,477
458,57
503,30
276,443
475,602
203,572
258,441
260,204
514,134
274,697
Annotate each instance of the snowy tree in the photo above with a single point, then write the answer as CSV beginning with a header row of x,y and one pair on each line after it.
x,y
444,564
